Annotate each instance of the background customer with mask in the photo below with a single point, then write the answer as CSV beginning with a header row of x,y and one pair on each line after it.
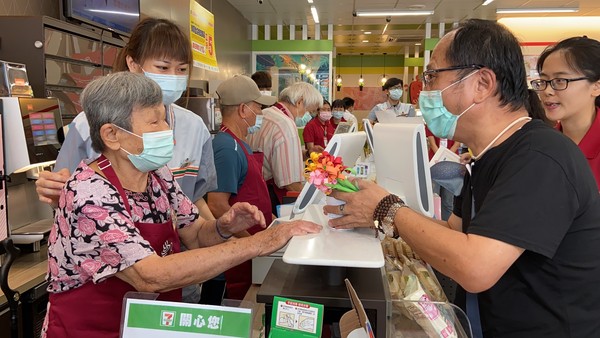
x,y
393,90
525,230
319,130
337,113
161,51
309,115
278,140
569,87
240,171
114,230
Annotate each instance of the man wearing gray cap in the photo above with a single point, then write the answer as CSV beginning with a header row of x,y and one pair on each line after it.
x,y
239,170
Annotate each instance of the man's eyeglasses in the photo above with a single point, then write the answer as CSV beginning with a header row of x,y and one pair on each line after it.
x,y
430,74
556,84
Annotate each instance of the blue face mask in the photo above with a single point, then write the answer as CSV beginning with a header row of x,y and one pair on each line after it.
x,y
338,114
301,121
256,127
158,150
441,122
396,94
172,86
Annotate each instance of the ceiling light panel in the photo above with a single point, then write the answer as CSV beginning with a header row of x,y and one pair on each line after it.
x,y
384,13
524,10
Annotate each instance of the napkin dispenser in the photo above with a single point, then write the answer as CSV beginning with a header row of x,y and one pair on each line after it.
x,y
14,81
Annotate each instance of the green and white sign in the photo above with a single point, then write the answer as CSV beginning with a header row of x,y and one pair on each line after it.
x,y
294,319
157,319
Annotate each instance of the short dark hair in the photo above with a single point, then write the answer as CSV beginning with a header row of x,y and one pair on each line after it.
x,y
488,43
581,53
348,102
339,103
262,79
391,82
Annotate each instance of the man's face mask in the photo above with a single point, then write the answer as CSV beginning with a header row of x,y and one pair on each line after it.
x,y
440,121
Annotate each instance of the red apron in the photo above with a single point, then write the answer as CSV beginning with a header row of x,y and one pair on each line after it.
x,y
94,310
280,193
254,191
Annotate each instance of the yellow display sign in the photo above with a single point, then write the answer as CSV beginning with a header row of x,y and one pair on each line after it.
x,y
202,34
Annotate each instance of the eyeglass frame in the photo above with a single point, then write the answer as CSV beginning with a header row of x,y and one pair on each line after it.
x,y
545,82
429,72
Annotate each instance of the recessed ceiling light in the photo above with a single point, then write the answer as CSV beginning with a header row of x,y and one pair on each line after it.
x,y
393,13
537,10
315,15
310,1
367,32
365,40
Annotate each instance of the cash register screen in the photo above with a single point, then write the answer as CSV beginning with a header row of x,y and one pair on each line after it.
x,y
41,120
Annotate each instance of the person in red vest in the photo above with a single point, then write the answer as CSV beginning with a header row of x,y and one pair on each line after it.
x,y
414,90
319,130
240,170
121,218
569,87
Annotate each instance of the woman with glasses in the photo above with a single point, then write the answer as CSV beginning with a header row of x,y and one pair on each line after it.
x,y
569,88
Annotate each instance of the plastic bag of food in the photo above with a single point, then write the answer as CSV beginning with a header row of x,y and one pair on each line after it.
x,y
432,319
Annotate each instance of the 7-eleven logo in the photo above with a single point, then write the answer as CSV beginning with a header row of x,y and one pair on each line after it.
x,y
168,318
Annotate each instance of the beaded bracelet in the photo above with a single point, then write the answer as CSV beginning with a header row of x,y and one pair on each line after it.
x,y
384,205
384,214
221,234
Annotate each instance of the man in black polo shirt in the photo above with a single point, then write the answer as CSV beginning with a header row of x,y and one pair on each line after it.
x,y
525,232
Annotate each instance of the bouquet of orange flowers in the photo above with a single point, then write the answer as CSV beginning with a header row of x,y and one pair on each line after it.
x,y
327,172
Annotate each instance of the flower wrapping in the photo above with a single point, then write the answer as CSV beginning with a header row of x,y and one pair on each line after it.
x,y
327,173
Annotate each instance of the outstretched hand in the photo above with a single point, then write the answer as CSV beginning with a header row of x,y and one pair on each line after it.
x,y
50,184
240,217
359,207
276,236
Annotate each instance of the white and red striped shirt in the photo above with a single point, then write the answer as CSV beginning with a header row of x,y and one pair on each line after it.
x,y
279,141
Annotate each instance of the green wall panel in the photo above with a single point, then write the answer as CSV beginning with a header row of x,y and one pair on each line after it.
x,y
414,62
431,43
292,46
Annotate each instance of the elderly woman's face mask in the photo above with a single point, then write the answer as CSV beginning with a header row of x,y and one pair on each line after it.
x,y
158,150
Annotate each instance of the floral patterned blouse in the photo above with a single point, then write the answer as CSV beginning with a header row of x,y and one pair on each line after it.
x,y
93,236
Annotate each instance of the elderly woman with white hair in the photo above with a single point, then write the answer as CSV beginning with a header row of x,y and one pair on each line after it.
x,y
121,217
283,167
